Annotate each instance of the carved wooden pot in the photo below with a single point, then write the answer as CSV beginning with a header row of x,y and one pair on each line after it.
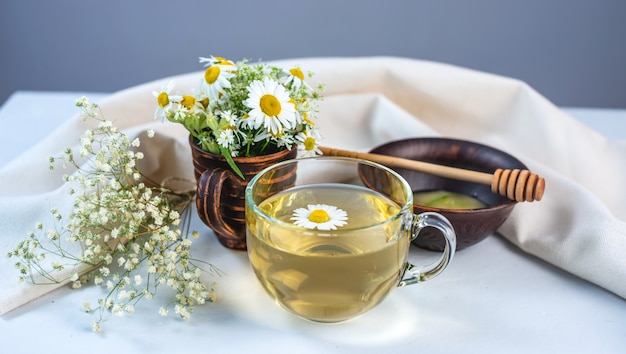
x,y
220,195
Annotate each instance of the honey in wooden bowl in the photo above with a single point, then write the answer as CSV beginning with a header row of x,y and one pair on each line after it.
x,y
471,225
447,200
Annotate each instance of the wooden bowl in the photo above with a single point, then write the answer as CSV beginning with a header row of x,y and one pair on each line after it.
x,y
471,225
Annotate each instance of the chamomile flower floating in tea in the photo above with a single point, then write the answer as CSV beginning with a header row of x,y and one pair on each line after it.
x,y
320,216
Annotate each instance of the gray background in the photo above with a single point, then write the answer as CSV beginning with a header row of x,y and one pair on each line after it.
x,y
573,52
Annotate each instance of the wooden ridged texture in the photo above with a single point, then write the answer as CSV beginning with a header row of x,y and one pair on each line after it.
x,y
220,195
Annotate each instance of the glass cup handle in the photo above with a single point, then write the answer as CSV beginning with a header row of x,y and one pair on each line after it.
x,y
413,274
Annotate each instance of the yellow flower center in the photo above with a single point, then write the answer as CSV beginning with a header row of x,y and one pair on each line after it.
x,y
297,73
270,105
205,102
309,144
188,101
319,216
305,117
211,74
223,61
163,99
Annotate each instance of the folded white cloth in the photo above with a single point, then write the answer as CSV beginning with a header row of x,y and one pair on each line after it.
x,y
579,226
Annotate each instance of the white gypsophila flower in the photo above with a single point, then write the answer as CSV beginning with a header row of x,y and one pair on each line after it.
x,y
96,327
87,306
271,106
182,311
320,216
83,101
117,310
125,228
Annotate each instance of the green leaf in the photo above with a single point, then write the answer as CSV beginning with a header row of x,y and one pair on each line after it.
x,y
231,162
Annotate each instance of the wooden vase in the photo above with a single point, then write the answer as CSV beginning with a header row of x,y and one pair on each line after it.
x,y
220,195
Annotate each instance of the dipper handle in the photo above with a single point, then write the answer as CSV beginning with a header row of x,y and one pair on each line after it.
x,y
518,185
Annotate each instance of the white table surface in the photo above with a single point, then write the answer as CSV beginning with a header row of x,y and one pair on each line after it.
x,y
493,298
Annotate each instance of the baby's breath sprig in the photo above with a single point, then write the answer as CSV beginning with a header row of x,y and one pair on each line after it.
x,y
132,233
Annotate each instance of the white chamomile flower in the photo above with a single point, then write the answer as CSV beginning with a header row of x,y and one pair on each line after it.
x,y
190,103
181,113
230,117
164,100
281,139
271,106
286,140
320,216
215,81
295,78
226,138
213,60
307,143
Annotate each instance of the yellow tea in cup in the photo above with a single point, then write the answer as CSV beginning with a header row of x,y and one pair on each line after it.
x,y
322,275
326,246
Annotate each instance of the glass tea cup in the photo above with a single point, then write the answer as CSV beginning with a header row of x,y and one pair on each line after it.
x,y
328,237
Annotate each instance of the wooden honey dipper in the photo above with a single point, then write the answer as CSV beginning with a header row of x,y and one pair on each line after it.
x,y
518,185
